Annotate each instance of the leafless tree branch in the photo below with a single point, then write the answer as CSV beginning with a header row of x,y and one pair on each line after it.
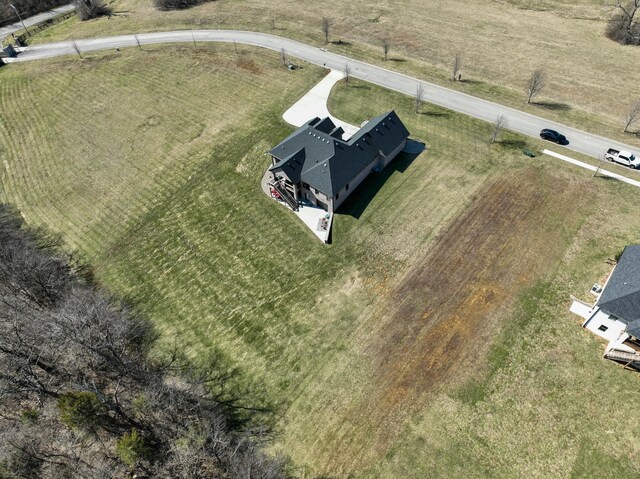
x,y
536,83
633,115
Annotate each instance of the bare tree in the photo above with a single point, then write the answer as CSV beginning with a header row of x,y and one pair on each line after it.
x,y
633,115
536,83
623,26
283,56
88,9
417,103
347,73
273,22
76,48
386,46
326,28
457,65
499,124
138,41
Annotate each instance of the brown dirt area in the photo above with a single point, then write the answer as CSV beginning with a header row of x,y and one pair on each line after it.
x,y
448,308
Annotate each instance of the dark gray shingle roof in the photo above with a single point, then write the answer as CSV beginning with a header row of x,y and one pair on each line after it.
x,y
316,153
387,131
621,296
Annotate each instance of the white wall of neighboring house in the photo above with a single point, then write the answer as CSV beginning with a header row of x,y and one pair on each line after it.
x,y
608,328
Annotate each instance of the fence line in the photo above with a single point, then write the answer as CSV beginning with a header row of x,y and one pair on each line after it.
x,y
22,39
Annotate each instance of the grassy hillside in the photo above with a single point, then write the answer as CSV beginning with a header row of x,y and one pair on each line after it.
x,y
591,80
431,338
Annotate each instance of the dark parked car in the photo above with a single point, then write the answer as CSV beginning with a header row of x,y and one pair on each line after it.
x,y
553,135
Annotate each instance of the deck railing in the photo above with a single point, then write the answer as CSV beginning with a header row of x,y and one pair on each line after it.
x,y
285,195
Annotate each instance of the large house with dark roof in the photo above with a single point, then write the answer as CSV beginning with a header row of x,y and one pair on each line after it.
x,y
315,165
615,316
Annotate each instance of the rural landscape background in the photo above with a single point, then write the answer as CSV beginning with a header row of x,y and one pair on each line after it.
x,y
432,338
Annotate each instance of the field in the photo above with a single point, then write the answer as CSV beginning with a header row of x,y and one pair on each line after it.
x,y
431,338
591,80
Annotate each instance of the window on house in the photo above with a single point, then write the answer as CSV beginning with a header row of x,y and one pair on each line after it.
x,y
602,328
346,187
337,195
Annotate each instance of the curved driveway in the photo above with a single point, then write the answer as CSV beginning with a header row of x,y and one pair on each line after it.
x,y
530,125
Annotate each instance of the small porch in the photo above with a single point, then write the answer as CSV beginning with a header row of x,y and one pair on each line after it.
x,y
315,218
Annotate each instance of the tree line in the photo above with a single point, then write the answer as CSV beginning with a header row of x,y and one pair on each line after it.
x,y
84,392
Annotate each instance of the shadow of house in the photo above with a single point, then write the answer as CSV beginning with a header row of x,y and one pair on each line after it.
x,y
362,197
316,165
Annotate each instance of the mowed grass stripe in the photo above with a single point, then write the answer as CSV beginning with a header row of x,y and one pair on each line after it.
x,y
25,147
114,138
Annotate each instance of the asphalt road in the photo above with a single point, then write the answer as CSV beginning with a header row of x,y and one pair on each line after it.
x,y
530,125
14,27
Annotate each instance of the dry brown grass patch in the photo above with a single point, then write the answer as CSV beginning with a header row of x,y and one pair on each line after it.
x,y
446,311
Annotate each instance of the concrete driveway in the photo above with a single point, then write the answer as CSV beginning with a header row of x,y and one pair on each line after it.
x,y
314,103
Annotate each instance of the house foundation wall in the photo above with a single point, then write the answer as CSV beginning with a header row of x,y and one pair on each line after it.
x,y
314,197
344,193
395,153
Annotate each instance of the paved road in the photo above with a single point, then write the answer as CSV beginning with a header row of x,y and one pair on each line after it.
x,y
580,141
14,27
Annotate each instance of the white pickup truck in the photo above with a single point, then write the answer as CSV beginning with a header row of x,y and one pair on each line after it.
x,y
623,157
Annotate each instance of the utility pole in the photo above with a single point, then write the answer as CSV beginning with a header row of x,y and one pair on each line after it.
x,y
19,18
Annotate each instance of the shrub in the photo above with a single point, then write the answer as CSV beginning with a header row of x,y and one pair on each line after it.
x,y
29,415
131,448
624,28
81,410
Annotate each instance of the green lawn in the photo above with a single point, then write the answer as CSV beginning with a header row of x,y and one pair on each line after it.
x,y
149,164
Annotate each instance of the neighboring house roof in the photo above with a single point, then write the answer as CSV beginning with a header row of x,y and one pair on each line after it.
x,y
317,155
621,296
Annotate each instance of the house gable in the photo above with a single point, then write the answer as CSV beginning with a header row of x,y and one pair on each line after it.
x,y
386,131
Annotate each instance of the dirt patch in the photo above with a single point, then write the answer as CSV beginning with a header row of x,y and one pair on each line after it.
x,y
248,64
448,308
